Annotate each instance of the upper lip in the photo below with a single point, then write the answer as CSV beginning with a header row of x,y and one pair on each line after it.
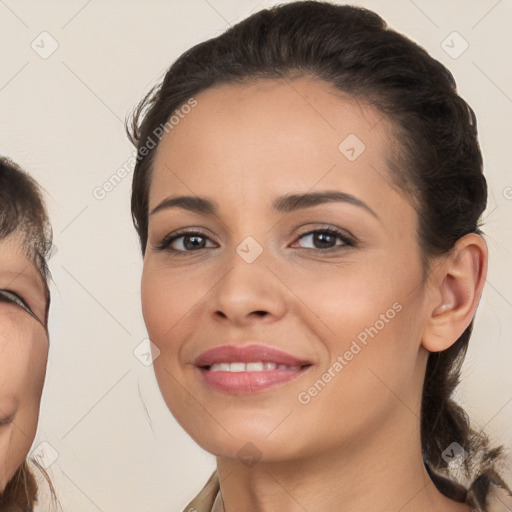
x,y
247,354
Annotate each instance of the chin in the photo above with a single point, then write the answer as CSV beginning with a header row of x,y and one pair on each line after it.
x,y
242,439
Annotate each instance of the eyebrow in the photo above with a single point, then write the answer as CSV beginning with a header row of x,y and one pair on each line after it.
x,y
282,204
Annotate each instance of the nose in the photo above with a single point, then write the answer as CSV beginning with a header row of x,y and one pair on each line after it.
x,y
248,293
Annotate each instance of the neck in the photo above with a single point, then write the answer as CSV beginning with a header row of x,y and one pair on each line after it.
x,y
384,473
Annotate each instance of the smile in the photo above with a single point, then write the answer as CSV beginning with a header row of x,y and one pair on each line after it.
x,y
256,366
243,370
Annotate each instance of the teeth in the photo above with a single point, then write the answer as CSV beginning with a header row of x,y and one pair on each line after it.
x,y
237,367
256,366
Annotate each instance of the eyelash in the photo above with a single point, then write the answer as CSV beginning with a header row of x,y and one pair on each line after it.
x,y
347,240
14,298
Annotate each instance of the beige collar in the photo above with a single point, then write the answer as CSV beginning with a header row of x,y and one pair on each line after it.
x,y
209,498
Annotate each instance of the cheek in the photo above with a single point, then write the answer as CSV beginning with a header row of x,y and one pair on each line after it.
x,y
346,299
23,362
369,324
37,369
170,298
23,357
159,303
163,305
363,385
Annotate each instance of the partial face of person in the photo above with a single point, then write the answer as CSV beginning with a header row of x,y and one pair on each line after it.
x,y
23,354
284,294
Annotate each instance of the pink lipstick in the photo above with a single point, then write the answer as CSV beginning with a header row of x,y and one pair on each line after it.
x,y
249,369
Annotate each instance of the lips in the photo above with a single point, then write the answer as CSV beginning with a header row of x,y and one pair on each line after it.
x,y
247,354
248,369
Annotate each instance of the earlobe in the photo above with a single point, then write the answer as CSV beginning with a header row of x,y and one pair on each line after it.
x,y
458,288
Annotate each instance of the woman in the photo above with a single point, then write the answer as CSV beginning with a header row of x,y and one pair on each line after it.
x,y
25,239
307,194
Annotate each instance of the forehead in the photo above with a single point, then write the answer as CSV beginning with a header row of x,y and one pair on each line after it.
x,y
267,137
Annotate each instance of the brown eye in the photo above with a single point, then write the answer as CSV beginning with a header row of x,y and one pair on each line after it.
x,y
326,238
190,241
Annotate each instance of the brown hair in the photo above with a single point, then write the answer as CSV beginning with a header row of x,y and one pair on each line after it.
x,y
22,212
436,160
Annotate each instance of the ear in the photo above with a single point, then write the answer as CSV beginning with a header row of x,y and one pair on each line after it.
x,y
457,287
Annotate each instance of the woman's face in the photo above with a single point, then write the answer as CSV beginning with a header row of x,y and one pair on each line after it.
x,y
23,354
346,307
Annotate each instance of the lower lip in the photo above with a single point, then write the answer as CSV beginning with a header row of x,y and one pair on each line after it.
x,y
247,383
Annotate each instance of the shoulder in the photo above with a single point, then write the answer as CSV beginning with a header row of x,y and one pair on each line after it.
x,y
46,500
204,501
500,500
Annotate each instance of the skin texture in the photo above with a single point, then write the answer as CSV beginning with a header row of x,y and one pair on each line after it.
x,y
23,356
356,442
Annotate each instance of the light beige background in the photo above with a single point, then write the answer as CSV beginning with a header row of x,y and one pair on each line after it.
x,y
61,118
